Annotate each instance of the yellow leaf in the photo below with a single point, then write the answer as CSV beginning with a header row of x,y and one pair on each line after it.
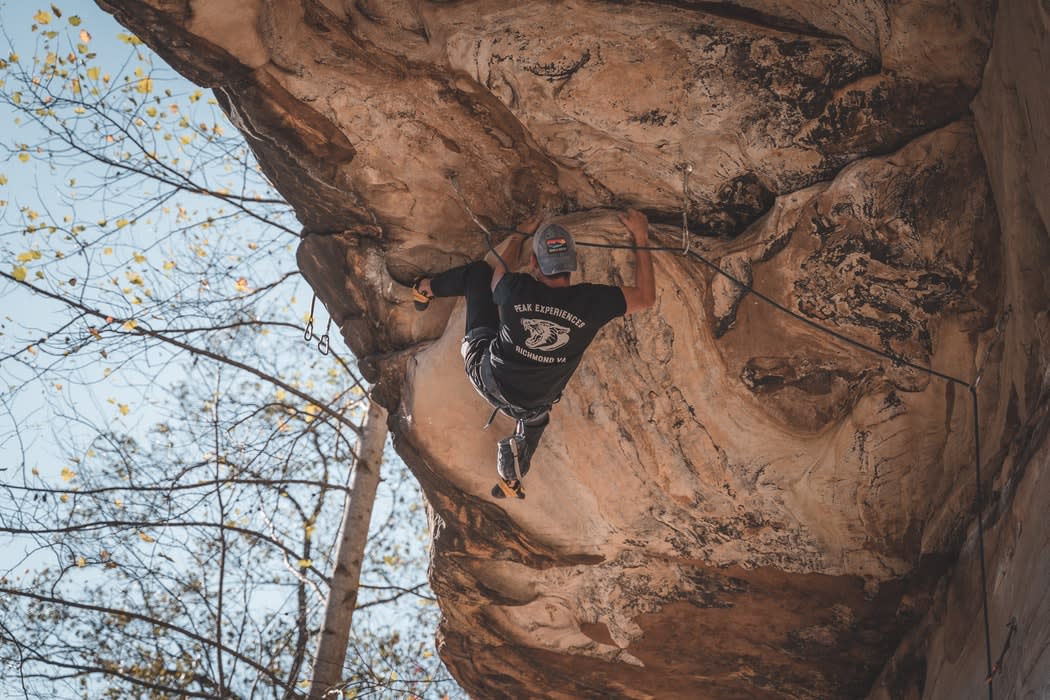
x,y
151,111
90,453
139,258
58,386
42,17
305,563
118,503
281,395
19,273
92,72
144,537
186,139
85,35
64,498
3,179
304,683
145,86
67,474
75,20
168,265
123,407
195,96
121,223
134,278
24,157
130,324
81,562
242,285
36,472
76,86
107,251
28,255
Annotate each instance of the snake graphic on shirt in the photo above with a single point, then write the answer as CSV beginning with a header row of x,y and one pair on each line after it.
x,y
544,335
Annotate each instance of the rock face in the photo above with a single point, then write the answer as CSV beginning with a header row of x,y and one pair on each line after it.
x,y
731,501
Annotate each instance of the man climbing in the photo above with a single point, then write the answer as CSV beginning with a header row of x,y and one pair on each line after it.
x,y
526,333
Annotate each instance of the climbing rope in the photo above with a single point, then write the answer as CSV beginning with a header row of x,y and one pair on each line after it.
x,y
454,180
997,667
898,360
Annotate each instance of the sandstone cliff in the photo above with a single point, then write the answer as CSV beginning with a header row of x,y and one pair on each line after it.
x,y
730,503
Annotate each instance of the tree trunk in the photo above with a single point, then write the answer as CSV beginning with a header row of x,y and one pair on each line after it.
x,y
342,598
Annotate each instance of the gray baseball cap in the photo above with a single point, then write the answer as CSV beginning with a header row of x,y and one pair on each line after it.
x,y
555,250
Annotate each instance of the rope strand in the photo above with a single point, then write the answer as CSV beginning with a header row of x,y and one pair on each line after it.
x,y
684,249
898,360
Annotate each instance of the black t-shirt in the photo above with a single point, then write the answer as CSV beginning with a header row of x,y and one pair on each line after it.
x,y
543,333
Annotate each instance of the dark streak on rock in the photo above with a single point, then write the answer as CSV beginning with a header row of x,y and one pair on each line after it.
x,y
556,72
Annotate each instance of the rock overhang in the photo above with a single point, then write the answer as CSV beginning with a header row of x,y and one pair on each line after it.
x,y
712,457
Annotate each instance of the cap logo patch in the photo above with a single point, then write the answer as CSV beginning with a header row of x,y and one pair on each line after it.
x,y
556,246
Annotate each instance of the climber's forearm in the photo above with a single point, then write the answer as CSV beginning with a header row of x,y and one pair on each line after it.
x,y
645,278
643,294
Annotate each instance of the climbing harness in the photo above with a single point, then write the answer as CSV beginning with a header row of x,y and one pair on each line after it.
x,y
323,343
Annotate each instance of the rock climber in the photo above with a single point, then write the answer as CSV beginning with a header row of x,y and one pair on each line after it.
x,y
526,333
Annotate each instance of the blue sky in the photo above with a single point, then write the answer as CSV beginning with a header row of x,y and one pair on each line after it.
x,y
43,421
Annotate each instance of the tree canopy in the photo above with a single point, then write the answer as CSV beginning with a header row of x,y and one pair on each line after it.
x,y
175,456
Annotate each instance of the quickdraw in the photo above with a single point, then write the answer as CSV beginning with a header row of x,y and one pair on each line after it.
x,y
323,343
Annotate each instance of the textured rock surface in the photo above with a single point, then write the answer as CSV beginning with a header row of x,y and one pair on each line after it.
x,y
730,503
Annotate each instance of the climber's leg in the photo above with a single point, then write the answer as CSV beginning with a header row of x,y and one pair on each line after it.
x,y
473,281
514,455
529,433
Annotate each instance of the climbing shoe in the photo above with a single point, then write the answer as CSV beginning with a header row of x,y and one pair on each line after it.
x,y
508,489
421,300
508,452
